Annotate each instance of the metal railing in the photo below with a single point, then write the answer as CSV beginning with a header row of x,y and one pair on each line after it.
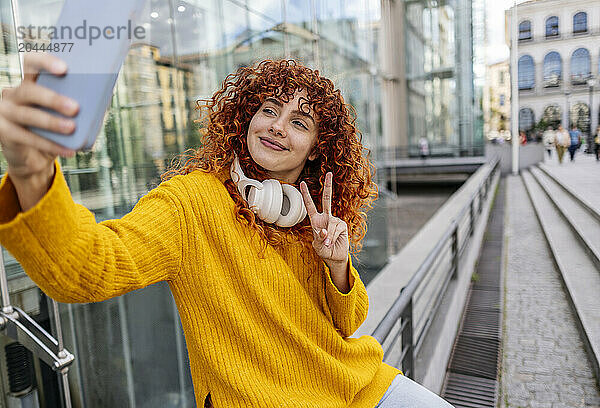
x,y
435,150
412,313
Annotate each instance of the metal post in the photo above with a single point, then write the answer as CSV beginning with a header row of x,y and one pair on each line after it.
x,y
472,212
126,351
65,390
407,341
590,141
455,253
6,307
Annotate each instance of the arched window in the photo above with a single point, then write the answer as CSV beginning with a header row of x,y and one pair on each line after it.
x,y
552,26
525,30
526,72
552,116
580,117
526,120
580,66
580,22
552,69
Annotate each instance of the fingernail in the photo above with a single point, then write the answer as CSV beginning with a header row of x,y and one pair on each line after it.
x,y
324,232
59,66
66,125
327,242
70,104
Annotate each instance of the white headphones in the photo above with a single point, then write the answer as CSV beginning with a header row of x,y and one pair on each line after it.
x,y
270,200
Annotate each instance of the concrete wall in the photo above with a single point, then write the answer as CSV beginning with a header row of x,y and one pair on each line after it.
x,y
529,155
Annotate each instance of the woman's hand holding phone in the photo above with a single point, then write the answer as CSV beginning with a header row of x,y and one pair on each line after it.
x,y
30,157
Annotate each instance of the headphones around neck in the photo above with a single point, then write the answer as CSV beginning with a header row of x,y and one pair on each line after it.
x,y
270,200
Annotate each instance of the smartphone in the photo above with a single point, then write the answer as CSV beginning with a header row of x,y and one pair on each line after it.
x,y
93,38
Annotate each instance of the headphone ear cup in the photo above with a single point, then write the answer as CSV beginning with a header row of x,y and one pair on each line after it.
x,y
271,201
297,209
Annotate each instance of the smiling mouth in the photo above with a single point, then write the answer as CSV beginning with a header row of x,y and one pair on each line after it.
x,y
272,144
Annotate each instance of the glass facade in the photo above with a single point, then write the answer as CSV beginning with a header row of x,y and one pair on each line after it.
x,y
430,64
130,351
434,71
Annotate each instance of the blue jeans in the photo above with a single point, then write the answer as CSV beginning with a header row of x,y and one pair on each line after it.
x,y
405,393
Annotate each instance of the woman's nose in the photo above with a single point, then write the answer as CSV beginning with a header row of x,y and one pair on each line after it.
x,y
277,127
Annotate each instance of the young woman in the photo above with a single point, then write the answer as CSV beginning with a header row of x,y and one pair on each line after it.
x,y
260,272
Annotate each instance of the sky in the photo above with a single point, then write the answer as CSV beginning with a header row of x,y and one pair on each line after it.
x,y
496,49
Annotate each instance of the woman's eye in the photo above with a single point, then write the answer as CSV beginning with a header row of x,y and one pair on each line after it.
x,y
298,123
269,111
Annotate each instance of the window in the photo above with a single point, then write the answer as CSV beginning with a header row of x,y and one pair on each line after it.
x,y
552,116
526,72
552,27
552,69
580,23
501,77
526,120
525,30
580,66
502,99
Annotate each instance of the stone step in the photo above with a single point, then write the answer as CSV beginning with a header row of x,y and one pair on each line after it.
x,y
585,192
585,226
577,270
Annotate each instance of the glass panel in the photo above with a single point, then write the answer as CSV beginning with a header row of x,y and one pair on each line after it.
x,y
526,120
580,66
552,69
526,72
525,30
10,76
552,26
552,116
580,22
430,68
580,117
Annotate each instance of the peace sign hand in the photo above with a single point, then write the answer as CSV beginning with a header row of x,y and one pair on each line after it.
x,y
330,234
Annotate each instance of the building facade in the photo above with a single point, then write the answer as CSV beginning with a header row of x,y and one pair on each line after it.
x,y
496,101
434,66
558,64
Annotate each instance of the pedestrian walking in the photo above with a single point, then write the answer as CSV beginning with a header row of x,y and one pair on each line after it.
x,y
423,147
575,141
260,272
549,139
562,142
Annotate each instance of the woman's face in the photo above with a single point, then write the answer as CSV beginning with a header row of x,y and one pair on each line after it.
x,y
281,137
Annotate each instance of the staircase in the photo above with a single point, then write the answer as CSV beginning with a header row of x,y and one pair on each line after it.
x,y
571,227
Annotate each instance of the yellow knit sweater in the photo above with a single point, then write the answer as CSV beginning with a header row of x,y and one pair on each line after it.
x,y
260,332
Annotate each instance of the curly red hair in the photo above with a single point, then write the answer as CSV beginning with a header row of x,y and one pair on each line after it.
x,y
338,146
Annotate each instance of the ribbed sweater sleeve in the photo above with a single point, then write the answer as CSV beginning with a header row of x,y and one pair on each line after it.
x,y
74,259
348,310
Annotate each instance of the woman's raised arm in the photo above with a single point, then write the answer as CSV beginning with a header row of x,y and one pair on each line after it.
x,y
30,157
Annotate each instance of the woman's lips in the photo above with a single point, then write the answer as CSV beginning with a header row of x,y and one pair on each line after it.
x,y
273,146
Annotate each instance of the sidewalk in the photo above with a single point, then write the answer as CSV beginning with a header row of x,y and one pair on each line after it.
x,y
544,362
582,175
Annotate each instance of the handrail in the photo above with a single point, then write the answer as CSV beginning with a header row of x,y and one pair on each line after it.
x,y
402,308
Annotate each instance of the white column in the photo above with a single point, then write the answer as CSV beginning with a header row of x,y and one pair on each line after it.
x,y
514,93
393,103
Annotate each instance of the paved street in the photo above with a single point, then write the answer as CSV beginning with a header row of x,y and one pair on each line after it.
x,y
544,362
582,175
